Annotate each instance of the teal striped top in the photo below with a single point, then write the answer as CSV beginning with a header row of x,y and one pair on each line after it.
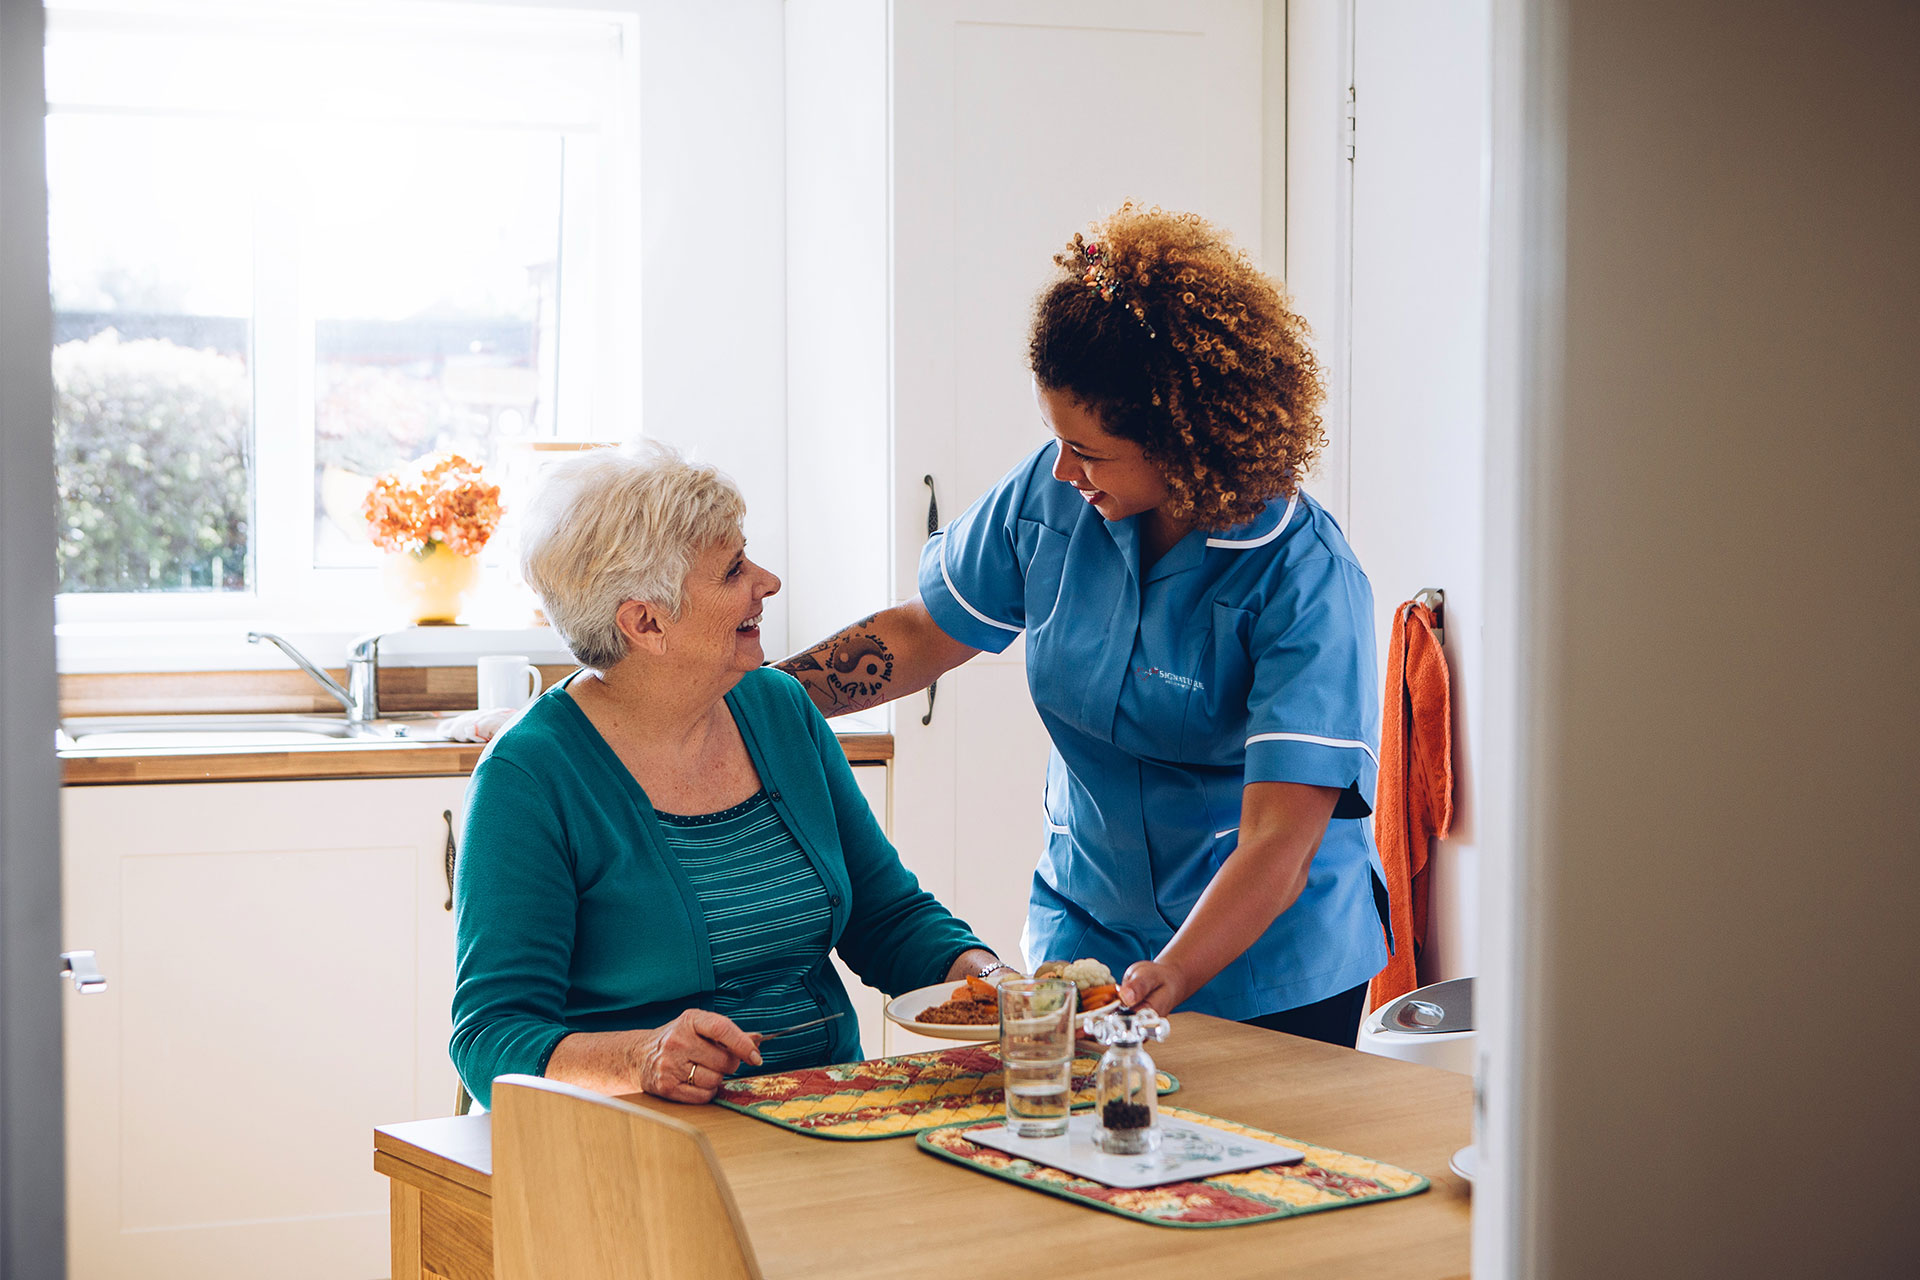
x,y
769,923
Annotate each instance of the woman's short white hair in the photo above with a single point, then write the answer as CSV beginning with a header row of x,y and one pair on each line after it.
x,y
612,525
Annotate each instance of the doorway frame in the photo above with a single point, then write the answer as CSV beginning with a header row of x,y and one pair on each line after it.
x,y
1526,325
32,1121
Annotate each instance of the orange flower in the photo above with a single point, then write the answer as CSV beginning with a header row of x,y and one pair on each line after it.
x,y
440,498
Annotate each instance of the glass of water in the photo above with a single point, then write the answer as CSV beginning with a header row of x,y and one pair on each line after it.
x,y
1036,1048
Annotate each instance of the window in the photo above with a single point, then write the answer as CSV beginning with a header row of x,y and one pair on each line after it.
x,y
151,232
291,249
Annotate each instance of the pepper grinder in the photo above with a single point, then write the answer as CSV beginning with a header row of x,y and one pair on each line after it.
x,y
1126,1085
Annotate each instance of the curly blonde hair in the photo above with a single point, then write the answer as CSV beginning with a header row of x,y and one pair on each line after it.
x,y
1171,335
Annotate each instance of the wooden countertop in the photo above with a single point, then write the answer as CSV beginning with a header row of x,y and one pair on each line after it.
x,y
873,1209
118,766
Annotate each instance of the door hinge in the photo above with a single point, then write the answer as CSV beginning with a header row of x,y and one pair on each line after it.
x,y
1346,124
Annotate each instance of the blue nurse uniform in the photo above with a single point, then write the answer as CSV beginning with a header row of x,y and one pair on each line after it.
x,y
1245,656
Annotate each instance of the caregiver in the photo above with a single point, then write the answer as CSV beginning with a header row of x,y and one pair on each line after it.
x,y
1199,639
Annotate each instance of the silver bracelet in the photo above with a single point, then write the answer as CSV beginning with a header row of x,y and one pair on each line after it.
x,y
994,968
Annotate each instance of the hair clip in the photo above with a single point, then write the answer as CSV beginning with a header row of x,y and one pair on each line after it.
x,y
1099,276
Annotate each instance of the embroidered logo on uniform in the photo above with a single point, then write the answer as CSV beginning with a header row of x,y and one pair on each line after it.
x,y
1179,682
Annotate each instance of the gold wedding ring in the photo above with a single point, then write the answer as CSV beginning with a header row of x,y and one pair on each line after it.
x,y
691,1068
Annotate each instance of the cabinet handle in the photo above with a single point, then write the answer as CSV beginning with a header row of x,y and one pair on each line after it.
x,y
86,975
448,815
933,527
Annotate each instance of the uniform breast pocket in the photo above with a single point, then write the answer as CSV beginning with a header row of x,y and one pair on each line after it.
x,y
1216,721
1044,552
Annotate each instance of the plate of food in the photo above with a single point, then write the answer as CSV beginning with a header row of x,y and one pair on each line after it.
x,y
970,1010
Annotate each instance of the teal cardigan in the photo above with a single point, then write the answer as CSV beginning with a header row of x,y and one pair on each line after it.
x,y
572,915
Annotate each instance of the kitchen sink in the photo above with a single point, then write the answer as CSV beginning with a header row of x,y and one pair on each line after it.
x,y
148,732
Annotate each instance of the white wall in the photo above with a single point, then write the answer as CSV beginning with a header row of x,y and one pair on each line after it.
x,y
1711,279
1387,258
839,319
713,270
1418,358
1273,137
1319,185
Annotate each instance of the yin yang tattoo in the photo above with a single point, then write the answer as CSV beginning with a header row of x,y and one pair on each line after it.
x,y
854,667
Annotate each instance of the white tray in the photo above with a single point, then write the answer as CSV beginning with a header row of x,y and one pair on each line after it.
x,y
1187,1151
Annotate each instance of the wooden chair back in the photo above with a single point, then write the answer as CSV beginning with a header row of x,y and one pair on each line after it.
x,y
586,1187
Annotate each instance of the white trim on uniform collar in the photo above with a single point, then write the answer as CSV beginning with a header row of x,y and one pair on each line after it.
x,y
1248,544
1316,740
955,591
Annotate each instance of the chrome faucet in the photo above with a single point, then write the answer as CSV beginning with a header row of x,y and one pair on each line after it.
x,y
361,697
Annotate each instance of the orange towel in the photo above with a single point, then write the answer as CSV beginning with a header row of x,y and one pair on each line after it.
x,y
1413,802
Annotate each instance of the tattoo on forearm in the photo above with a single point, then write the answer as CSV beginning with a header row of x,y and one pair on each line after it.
x,y
860,665
853,667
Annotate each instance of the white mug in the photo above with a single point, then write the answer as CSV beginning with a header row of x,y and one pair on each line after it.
x,y
507,681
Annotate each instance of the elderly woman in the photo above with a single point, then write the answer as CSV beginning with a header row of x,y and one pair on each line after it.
x,y
661,852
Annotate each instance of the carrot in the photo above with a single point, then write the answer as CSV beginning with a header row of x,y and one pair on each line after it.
x,y
1094,997
983,991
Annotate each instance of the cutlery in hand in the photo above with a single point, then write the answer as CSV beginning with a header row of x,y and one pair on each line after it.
x,y
798,1026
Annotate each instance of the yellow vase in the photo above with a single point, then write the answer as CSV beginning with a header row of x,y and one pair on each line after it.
x,y
432,585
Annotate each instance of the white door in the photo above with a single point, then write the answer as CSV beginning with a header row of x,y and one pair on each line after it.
x,y
1015,123
1418,356
280,960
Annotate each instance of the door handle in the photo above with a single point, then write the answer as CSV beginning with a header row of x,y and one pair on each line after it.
x,y
448,815
86,975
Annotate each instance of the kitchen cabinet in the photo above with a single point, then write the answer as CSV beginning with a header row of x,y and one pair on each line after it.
x,y
280,973
939,153
868,1003
989,162
279,958
961,158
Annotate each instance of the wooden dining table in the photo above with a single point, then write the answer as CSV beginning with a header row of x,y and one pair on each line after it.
x,y
818,1207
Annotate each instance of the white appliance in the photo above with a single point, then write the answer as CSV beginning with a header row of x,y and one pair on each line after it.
x,y
1432,1026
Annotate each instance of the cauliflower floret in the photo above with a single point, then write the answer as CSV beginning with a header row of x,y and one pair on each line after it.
x,y
1087,974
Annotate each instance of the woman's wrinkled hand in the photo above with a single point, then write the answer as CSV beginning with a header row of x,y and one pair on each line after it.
x,y
1155,985
689,1058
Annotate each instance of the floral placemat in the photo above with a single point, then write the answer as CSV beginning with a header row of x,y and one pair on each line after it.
x,y
1326,1179
893,1097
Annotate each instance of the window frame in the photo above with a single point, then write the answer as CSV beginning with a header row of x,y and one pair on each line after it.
x,y
600,311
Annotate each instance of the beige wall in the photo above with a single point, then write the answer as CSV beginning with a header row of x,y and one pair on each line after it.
x,y
1725,781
